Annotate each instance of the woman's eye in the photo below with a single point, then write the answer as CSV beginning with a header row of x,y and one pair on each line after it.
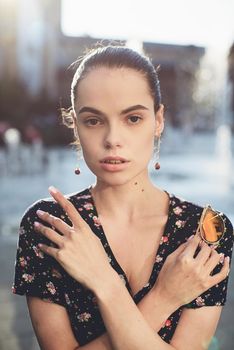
x,y
91,122
134,119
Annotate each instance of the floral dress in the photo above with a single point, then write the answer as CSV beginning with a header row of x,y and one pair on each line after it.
x,y
39,275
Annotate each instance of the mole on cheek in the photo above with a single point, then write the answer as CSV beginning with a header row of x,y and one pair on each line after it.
x,y
135,183
142,190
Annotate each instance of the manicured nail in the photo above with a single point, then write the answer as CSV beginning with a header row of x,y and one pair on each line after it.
x,y
201,243
221,259
214,246
189,239
53,190
36,224
227,259
40,212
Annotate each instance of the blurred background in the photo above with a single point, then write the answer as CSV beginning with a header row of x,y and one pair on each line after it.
x,y
192,41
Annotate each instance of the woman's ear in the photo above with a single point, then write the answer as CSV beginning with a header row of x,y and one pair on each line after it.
x,y
159,121
74,117
74,123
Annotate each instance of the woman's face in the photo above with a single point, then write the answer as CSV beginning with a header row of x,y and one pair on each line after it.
x,y
115,117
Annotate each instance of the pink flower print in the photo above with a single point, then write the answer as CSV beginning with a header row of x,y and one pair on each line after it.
x,y
56,273
21,231
28,278
22,261
158,259
200,301
88,206
84,317
68,301
97,221
51,288
177,210
164,239
38,252
180,223
168,323
85,196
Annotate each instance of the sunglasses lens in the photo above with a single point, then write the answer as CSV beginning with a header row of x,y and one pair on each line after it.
x,y
212,227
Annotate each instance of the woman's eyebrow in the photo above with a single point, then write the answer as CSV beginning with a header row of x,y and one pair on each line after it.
x,y
90,110
96,111
133,108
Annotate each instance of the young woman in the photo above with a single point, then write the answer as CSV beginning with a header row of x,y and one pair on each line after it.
x,y
119,265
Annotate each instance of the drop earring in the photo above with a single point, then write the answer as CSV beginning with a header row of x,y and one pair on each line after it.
x,y
157,142
77,171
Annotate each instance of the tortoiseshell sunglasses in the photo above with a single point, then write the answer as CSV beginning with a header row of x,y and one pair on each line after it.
x,y
211,227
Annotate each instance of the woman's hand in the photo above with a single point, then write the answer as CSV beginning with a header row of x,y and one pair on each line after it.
x,y
184,275
79,250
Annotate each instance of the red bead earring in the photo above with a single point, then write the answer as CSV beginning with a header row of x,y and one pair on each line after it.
x,y
157,166
157,142
77,171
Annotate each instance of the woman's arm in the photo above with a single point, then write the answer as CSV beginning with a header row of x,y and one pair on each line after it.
x,y
53,329
196,327
181,279
51,325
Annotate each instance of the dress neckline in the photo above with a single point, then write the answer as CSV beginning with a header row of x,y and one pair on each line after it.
x,y
114,261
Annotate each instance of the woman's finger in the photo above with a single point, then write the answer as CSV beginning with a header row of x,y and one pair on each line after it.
x,y
192,245
204,253
68,207
179,250
54,221
49,250
214,260
49,233
220,276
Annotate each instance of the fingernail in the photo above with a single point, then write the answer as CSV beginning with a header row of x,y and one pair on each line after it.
x,y
36,224
227,259
189,239
201,243
53,190
221,259
40,212
214,246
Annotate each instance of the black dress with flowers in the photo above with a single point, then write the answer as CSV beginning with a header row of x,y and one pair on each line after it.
x,y
39,275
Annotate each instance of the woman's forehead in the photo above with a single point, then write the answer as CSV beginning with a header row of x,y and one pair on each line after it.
x,y
110,81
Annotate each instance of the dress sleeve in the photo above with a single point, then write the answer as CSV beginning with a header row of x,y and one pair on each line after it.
x,y
217,295
36,274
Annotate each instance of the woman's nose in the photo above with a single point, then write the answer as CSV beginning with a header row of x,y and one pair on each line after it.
x,y
113,138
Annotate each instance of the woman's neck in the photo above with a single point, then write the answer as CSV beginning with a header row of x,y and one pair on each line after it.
x,y
129,201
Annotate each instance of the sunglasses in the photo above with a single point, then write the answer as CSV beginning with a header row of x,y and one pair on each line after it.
x,y
211,227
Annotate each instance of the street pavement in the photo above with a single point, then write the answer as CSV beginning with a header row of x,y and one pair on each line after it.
x,y
190,168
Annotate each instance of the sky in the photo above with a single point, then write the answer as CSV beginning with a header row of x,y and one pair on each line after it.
x,y
185,22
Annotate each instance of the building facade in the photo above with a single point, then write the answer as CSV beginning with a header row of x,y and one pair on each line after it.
x,y
34,50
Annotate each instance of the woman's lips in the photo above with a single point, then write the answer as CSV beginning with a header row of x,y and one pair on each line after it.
x,y
113,158
111,167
